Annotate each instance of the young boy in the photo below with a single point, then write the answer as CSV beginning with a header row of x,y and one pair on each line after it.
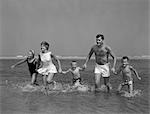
x,y
75,70
126,69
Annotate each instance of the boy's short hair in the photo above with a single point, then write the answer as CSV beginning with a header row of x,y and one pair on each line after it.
x,y
125,57
73,61
46,44
100,35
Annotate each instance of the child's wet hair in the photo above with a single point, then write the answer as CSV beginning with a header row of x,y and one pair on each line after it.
x,y
100,35
46,44
32,51
125,57
73,61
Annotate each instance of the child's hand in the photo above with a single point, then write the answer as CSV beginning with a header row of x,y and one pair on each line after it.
x,y
84,66
60,70
63,72
13,66
113,70
139,78
115,73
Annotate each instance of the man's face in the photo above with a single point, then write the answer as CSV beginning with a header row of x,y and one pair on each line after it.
x,y
99,41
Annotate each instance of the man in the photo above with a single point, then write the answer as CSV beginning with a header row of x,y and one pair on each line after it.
x,y
102,53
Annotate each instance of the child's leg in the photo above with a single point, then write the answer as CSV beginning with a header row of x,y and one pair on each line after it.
x,y
44,80
50,77
120,87
131,88
33,79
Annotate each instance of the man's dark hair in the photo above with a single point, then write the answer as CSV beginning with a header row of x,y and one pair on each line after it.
x,y
125,57
46,44
100,35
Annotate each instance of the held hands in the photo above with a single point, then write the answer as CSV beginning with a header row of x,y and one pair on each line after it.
x,y
113,70
84,66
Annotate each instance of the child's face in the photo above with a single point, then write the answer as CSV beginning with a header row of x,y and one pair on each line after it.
x,y
43,48
73,65
30,54
125,62
99,41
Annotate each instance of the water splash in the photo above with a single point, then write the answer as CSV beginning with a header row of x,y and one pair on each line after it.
x,y
134,94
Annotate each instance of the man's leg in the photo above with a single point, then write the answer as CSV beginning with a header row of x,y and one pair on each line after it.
x,y
106,83
97,80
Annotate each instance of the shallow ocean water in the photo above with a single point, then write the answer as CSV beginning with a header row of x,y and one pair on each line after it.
x,y
15,101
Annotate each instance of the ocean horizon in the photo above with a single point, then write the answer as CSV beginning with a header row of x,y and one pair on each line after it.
x,y
76,57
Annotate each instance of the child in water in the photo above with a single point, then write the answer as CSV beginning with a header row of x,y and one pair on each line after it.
x,y
32,65
47,68
126,69
75,71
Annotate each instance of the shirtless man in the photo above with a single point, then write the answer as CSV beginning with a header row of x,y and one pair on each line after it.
x,y
102,53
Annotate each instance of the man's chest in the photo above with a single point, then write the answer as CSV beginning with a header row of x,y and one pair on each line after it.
x,y
100,52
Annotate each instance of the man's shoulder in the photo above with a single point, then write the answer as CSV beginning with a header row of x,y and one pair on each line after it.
x,y
94,47
107,47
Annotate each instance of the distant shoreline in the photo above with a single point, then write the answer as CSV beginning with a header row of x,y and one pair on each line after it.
x,y
75,57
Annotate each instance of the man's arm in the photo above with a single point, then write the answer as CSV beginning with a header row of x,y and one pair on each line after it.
x,y
135,72
19,63
59,65
113,57
88,57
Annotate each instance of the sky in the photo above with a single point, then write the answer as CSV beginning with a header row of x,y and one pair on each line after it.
x,y
70,26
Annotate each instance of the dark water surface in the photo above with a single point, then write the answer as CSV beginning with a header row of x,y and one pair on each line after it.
x,y
15,101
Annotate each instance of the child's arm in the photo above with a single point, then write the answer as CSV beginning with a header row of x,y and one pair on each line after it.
x,y
135,72
19,63
39,63
82,68
59,65
64,72
118,71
